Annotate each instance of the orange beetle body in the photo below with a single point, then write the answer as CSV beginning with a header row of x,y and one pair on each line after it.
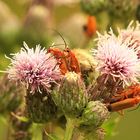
x,y
66,60
73,64
91,26
130,92
125,99
60,56
124,104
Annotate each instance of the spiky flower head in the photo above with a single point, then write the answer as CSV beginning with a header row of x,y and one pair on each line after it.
x,y
132,34
115,58
71,96
35,68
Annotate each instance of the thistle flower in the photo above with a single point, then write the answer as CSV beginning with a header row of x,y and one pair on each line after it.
x,y
116,59
35,68
132,35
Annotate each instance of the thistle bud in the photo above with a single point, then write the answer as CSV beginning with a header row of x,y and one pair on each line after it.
x,y
94,114
11,95
40,107
121,8
71,96
93,7
87,65
35,26
37,17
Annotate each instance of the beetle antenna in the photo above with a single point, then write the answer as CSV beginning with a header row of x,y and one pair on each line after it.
x,y
61,37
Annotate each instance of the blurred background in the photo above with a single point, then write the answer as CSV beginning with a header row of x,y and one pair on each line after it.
x,y
34,21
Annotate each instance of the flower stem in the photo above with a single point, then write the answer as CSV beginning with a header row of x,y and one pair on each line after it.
x,y
69,129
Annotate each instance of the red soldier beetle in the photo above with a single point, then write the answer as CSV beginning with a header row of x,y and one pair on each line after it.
x,y
130,92
124,104
66,58
90,27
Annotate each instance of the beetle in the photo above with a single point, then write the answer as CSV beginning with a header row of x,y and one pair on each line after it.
x,y
66,58
90,27
124,104
131,92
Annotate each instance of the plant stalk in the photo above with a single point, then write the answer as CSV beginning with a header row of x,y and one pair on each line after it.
x,y
69,129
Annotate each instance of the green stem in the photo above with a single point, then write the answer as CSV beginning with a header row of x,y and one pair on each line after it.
x,y
8,129
69,129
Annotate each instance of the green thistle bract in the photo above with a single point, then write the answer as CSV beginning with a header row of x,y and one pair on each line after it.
x,y
94,114
93,7
40,107
71,96
124,9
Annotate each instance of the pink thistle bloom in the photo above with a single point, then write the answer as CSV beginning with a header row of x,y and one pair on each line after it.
x,y
116,59
132,35
35,68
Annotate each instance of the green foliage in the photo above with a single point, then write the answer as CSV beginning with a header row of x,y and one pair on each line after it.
x,y
36,130
110,126
4,126
32,27
93,7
